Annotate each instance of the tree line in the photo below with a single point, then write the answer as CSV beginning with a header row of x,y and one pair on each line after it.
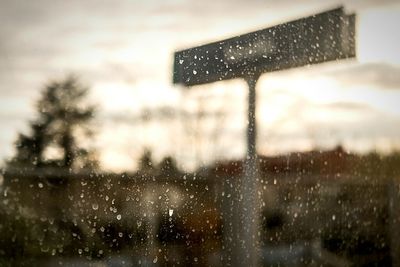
x,y
59,137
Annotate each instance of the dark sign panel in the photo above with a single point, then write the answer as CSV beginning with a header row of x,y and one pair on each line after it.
x,y
323,37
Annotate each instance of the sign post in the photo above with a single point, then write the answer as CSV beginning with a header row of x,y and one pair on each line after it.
x,y
319,38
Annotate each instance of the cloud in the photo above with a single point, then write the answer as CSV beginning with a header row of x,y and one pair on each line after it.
x,y
380,75
348,106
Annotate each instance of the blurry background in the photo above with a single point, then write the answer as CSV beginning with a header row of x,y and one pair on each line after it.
x,y
135,171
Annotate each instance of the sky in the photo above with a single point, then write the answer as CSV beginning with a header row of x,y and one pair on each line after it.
x,y
123,50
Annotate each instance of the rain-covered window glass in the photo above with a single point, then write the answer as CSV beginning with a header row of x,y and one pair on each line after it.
x,y
199,133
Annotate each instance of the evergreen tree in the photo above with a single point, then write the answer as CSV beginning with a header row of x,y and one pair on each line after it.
x,y
63,121
168,166
146,163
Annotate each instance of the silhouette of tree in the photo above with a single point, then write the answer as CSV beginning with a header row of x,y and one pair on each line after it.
x,y
63,120
146,163
168,166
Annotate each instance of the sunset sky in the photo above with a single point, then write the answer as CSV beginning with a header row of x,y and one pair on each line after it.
x,y
124,50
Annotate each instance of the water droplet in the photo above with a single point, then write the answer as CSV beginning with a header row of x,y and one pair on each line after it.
x,y
194,72
95,206
170,212
333,217
40,185
119,217
155,259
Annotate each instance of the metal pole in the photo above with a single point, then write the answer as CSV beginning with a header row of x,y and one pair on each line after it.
x,y
245,219
250,181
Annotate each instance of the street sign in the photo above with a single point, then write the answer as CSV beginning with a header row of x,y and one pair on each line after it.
x,y
323,37
319,38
